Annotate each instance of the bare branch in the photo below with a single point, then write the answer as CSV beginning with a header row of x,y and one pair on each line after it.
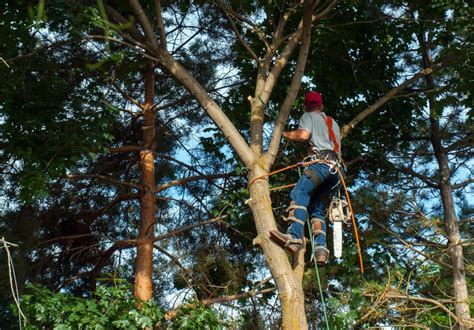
x,y
128,97
103,178
387,97
186,228
237,33
469,323
125,149
159,22
463,184
410,246
251,24
223,122
282,60
183,181
467,141
427,180
118,245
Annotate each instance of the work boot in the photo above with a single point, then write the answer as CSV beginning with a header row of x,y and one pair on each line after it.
x,y
322,255
286,241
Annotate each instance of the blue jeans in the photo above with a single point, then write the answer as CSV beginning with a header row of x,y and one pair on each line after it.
x,y
315,198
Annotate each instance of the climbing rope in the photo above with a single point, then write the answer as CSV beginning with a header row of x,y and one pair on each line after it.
x,y
303,163
316,269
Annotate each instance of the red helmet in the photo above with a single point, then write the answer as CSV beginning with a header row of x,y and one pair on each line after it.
x,y
313,100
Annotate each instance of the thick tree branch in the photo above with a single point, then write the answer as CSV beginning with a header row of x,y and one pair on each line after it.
x,y
426,179
159,22
282,60
387,97
224,124
278,34
234,297
144,23
294,86
118,18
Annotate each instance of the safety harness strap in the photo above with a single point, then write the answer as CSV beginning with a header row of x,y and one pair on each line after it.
x,y
292,218
332,136
294,206
316,225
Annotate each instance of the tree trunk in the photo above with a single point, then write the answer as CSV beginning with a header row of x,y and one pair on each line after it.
x,y
288,282
451,225
144,260
446,192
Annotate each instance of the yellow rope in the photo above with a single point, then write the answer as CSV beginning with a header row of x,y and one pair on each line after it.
x,y
353,220
303,163
283,187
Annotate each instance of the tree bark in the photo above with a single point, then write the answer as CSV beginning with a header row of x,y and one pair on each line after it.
x,y
144,261
446,190
288,281
289,284
449,211
452,227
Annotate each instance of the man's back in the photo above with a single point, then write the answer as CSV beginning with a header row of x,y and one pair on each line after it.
x,y
315,123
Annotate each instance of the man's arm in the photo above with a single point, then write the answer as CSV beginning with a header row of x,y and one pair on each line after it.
x,y
299,135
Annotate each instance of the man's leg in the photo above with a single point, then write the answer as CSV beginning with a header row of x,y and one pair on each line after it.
x,y
297,214
322,197
319,227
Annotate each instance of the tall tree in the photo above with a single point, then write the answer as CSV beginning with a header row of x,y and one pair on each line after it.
x,y
99,135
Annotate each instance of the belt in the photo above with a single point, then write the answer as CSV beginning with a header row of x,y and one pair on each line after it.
x,y
325,154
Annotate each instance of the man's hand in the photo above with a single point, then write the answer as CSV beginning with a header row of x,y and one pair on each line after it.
x,y
299,135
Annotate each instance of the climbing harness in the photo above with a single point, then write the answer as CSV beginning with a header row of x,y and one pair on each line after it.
x,y
306,162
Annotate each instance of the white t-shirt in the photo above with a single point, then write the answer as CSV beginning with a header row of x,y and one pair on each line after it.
x,y
315,123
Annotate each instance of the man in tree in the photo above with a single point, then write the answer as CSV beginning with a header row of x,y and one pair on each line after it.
x,y
317,185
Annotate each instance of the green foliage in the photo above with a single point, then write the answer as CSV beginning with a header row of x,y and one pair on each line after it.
x,y
195,316
345,310
111,307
